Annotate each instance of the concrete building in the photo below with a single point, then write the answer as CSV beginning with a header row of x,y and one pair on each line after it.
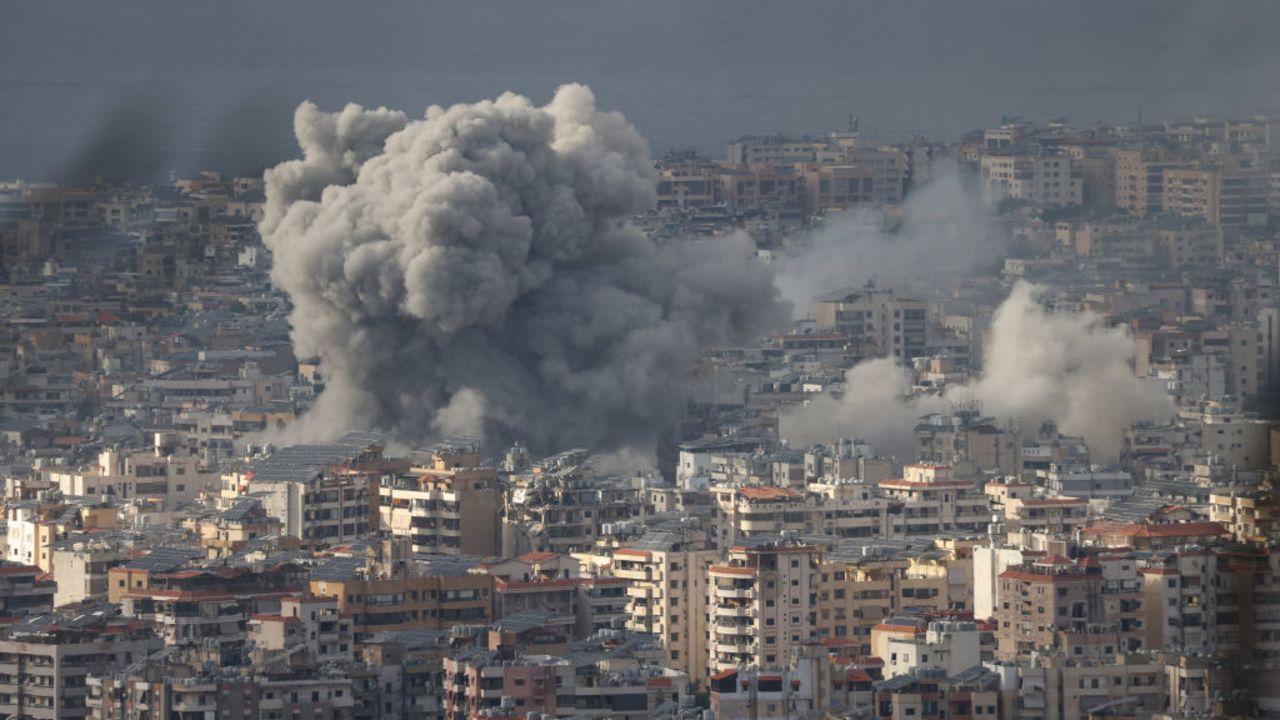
x,y
1082,611
324,495
1053,687
762,603
451,507
311,622
1039,179
952,645
1140,179
876,318
934,501
81,568
419,595
1229,197
50,658
1077,480
667,597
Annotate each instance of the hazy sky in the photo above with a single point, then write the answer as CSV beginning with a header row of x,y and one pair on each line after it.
x,y
142,87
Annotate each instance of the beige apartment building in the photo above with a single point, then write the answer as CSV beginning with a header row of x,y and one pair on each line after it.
x,y
1140,180
876,318
1039,179
47,664
667,598
935,501
1053,603
1230,197
452,507
855,594
1249,514
763,604
1053,687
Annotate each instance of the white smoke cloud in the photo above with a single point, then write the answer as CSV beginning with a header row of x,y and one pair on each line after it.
x,y
877,406
1066,368
943,233
473,269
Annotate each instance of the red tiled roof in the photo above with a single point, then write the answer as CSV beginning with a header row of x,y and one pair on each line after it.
x,y
633,553
1163,530
765,492
535,557
1044,577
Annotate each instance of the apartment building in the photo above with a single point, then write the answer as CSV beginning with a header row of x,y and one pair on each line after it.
x,y
877,318
929,693
934,501
1250,515
612,675
1213,600
772,150
1140,179
826,187
324,495
1080,480
81,567
432,595
667,596
1051,686
1039,179
753,511
226,532
312,622
24,590
812,682
1091,611
762,603
1229,197
49,658
1051,516
563,505
173,479
687,182
965,436
859,587
451,507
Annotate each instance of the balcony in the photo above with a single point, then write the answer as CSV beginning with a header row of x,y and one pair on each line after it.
x,y
735,593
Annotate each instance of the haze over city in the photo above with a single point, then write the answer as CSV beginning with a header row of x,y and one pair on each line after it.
x,y
145,87
690,361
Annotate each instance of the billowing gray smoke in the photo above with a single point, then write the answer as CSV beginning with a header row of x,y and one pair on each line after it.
x,y
471,271
1066,368
943,233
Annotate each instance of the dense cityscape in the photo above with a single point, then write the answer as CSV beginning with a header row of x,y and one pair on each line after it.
x,y
490,414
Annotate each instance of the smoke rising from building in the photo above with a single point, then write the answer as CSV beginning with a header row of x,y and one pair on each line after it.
x,y
471,271
942,232
1065,368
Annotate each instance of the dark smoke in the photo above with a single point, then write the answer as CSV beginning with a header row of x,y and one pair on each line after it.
x,y
134,140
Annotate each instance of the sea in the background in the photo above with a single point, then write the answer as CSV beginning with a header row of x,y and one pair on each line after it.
x,y
141,88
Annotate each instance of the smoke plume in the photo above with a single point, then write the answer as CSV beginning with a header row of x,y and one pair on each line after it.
x,y
471,270
1066,368
943,233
